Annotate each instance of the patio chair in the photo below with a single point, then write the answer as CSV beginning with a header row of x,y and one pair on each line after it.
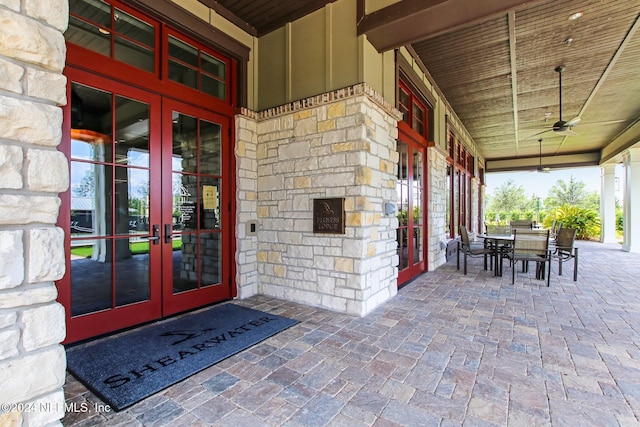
x,y
502,245
464,246
530,245
499,229
563,250
521,223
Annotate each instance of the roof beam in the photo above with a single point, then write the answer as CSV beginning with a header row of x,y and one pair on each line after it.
x,y
409,21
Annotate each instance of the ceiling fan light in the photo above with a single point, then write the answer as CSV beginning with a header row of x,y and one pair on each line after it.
x,y
575,16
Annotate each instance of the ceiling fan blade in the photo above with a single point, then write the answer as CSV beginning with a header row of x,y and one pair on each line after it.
x,y
608,122
566,132
573,122
539,133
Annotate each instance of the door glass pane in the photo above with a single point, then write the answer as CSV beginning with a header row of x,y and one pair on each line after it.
x,y
210,259
403,184
402,188
417,244
91,193
185,143
185,202
132,132
91,123
210,208
132,201
132,271
210,144
185,264
417,206
91,271
416,188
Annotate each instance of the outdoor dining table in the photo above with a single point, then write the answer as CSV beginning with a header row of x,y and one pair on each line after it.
x,y
495,241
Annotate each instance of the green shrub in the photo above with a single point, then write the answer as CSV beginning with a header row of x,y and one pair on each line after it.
x,y
585,221
619,219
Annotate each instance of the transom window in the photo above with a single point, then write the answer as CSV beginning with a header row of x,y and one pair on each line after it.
x,y
114,30
414,112
197,69
110,31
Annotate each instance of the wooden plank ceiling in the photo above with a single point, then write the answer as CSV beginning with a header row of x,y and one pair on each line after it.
x,y
495,62
499,76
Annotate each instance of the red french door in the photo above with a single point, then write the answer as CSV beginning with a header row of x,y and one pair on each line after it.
x,y
195,224
146,214
411,210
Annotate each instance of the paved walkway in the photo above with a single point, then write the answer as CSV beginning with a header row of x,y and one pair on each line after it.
x,y
448,350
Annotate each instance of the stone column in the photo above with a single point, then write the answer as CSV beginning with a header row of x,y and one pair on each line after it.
x,y
246,203
339,145
631,160
437,199
32,173
608,202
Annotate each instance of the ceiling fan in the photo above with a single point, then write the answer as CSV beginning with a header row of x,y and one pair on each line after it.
x,y
561,127
540,168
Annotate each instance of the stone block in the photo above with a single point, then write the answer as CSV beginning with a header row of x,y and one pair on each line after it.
x,y
11,419
30,122
46,85
33,374
47,171
9,339
10,166
51,409
306,126
43,326
10,76
11,259
336,110
28,295
8,319
54,12
46,254
294,150
31,41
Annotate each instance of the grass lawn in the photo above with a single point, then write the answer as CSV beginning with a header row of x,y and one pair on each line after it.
x,y
136,248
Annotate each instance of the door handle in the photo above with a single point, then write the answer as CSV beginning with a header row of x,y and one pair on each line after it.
x,y
156,234
167,233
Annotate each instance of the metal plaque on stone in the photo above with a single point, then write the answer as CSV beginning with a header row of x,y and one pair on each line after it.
x,y
328,216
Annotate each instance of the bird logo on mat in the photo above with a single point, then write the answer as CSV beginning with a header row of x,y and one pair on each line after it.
x,y
186,334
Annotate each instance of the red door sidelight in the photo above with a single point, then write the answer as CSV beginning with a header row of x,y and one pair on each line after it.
x,y
411,211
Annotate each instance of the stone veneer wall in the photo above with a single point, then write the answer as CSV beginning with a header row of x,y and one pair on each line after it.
x,y
437,193
32,173
247,203
340,144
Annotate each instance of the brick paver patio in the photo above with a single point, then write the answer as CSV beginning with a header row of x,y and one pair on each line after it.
x,y
448,350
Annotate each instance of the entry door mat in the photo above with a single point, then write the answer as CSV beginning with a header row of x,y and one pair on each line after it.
x,y
125,369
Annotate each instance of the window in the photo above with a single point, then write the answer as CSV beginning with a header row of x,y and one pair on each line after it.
x,y
109,38
197,69
414,113
113,32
